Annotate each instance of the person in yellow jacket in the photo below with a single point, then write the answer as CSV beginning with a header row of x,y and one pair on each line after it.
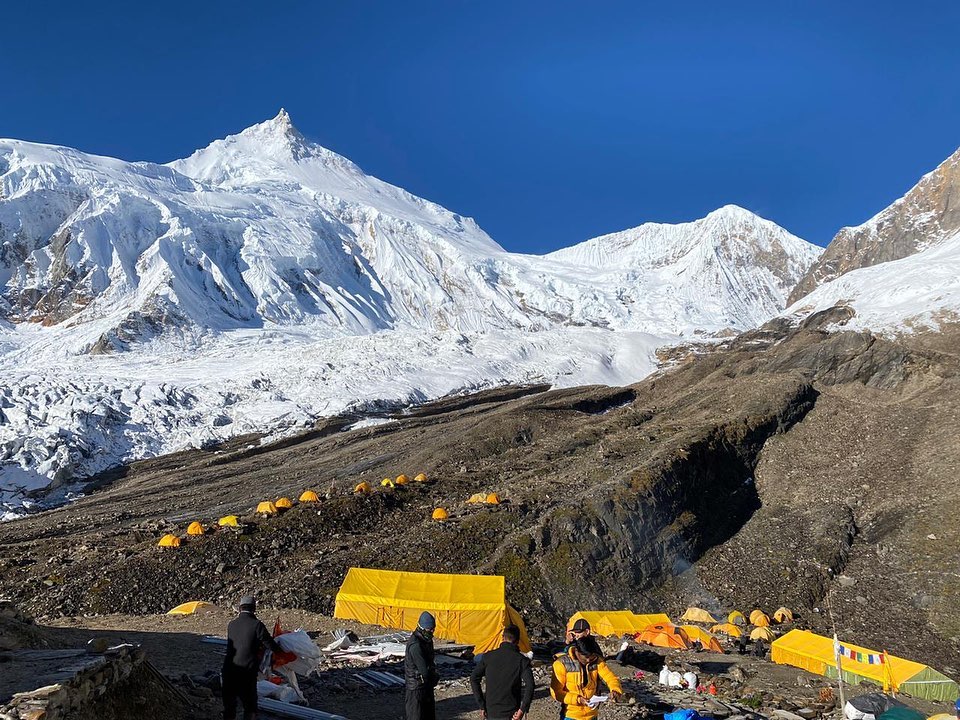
x,y
576,679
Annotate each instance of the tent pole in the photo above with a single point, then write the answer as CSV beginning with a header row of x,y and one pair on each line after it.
x,y
836,656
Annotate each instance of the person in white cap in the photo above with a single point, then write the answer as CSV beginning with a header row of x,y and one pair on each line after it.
x,y
246,636
420,671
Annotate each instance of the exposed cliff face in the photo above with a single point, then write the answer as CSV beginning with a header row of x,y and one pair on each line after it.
x,y
927,214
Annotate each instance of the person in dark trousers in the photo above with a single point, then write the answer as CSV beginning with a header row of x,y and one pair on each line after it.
x,y
508,677
246,635
420,672
742,644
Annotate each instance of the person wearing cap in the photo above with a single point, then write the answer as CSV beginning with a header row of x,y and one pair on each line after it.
x,y
420,671
581,628
509,680
246,636
576,679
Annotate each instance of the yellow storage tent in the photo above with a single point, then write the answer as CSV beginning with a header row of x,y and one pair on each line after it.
x,y
195,528
477,498
759,618
783,615
737,618
804,649
605,623
420,478
169,540
402,480
762,633
284,503
189,608
727,629
363,488
707,640
266,508
439,514
229,521
309,496
470,609
695,614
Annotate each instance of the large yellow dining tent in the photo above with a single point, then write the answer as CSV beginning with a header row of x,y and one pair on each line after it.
x,y
617,622
806,650
470,609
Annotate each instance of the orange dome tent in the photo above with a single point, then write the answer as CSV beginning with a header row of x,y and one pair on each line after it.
x,y
707,640
664,635
195,528
266,508
783,615
727,629
440,514
169,540
492,499
420,478
363,488
284,503
759,618
309,496
401,480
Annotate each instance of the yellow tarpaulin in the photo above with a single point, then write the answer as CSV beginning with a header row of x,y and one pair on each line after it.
x,y
189,608
804,649
617,622
470,609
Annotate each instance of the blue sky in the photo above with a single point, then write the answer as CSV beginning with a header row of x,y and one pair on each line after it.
x,y
548,122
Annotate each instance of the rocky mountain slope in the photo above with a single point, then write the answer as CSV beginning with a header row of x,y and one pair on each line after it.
x,y
266,281
928,214
695,485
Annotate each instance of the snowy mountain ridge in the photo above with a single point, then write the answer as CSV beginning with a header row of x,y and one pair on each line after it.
x,y
265,281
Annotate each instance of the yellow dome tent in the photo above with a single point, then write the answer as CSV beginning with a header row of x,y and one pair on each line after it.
x,y
762,633
420,478
228,521
477,498
469,609
363,488
440,514
695,614
759,618
387,483
707,640
727,629
189,608
309,496
783,615
284,503
266,508
402,480
737,618
492,499
195,528
169,540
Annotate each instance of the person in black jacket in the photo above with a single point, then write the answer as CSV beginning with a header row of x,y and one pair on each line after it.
x,y
420,672
509,680
246,635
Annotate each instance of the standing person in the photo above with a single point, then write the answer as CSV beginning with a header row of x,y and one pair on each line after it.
x,y
420,671
246,636
509,680
576,679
